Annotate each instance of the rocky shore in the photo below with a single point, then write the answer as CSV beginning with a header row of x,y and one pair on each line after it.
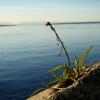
x,y
86,87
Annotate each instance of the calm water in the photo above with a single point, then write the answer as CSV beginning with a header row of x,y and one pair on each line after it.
x,y
28,52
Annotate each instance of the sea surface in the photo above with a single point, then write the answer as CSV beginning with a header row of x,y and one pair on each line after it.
x,y
29,52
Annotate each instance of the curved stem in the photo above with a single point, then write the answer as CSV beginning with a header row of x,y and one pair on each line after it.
x,y
58,38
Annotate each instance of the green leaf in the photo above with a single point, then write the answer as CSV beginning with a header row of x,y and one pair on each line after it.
x,y
83,68
84,56
57,68
76,63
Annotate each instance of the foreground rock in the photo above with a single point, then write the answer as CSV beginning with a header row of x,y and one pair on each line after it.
x,y
86,88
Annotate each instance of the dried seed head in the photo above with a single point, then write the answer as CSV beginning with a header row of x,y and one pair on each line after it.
x,y
48,24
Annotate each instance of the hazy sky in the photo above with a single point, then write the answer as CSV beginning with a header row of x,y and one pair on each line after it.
x,y
16,11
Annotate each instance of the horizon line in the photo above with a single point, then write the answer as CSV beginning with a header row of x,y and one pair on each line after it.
x,y
53,22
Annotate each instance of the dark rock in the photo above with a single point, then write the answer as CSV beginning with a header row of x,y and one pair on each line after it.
x,y
86,88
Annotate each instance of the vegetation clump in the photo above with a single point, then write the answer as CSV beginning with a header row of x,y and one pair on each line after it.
x,y
70,74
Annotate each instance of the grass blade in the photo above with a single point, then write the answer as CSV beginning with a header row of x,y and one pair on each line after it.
x,y
84,56
76,63
57,68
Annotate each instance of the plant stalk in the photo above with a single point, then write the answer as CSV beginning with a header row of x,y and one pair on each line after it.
x,y
58,38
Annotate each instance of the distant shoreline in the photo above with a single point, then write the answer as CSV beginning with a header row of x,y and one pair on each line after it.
x,y
54,23
6,25
61,23
76,23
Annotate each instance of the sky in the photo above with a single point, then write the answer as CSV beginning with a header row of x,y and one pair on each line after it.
x,y
19,11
